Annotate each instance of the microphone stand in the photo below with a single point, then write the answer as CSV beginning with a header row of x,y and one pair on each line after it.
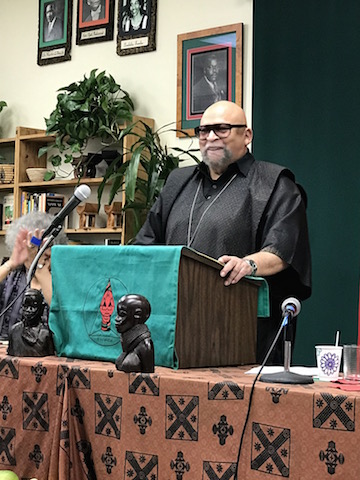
x,y
41,250
286,376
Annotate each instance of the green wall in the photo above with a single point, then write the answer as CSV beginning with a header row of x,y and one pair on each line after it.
x,y
306,115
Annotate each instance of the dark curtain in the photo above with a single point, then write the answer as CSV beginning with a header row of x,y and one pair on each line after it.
x,y
306,115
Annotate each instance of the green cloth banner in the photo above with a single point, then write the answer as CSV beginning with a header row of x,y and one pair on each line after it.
x,y
88,281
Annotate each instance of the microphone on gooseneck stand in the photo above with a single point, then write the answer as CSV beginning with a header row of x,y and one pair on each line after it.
x,y
81,193
290,308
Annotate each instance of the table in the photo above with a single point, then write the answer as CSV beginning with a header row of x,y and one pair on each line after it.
x,y
72,419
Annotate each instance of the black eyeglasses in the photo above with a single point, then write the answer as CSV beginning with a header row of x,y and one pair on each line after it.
x,y
221,130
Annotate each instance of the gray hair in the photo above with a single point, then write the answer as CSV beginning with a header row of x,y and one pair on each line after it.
x,y
31,221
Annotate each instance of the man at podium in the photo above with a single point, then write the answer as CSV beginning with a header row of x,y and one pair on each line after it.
x,y
250,215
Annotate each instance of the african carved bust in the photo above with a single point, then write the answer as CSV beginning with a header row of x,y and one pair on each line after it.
x,y
30,337
138,349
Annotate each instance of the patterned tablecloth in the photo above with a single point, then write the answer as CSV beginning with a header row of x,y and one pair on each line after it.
x,y
71,420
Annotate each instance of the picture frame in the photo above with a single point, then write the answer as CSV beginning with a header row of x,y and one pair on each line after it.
x,y
54,31
95,21
209,68
136,26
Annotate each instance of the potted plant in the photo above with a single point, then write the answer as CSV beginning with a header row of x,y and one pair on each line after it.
x,y
94,107
97,107
149,156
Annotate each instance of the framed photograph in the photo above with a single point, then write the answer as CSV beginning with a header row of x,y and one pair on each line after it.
x,y
95,21
209,69
136,26
55,20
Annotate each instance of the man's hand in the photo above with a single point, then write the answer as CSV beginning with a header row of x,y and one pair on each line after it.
x,y
235,269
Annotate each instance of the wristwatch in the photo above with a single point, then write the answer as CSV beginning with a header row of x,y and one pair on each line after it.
x,y
252,265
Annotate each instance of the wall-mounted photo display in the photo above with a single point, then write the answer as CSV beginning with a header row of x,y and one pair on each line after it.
x,y
95,21
55,20
136,26
209,69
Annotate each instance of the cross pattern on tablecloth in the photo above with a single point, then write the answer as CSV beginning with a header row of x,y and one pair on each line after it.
x,y
35,411
9,368
79,378
225,391
108,412
61,376
141,465
182,417
109,460
328,409
38,371
144,384
7,438
180,466
270,449
219,470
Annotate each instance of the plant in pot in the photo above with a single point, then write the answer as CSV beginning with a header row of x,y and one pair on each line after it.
x,y
98,107
94,107
144,171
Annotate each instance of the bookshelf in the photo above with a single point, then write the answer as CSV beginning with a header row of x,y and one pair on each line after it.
x,y
23,149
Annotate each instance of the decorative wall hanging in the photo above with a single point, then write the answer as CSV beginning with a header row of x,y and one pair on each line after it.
x,y
95,21
209,68
136,26
55,20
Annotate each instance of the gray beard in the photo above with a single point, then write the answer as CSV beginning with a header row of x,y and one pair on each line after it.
x,y
219,166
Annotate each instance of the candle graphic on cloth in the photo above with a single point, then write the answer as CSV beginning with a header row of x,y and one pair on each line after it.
x,y
107,306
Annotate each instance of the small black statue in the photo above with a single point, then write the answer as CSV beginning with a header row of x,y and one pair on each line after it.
x,y
30,337
138,348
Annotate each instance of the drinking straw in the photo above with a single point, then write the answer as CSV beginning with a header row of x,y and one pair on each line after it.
x,y
337,338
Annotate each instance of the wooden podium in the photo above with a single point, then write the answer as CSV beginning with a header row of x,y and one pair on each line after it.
x,y
216,325
195,320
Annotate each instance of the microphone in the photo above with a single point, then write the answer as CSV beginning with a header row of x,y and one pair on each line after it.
x,y
290,308
81,193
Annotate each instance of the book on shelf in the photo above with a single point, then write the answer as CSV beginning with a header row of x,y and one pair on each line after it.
x,y
41,202
112,241
8,211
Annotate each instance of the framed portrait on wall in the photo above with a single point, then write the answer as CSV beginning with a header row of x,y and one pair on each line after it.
x,y
209,69
136,26
95,21
54,32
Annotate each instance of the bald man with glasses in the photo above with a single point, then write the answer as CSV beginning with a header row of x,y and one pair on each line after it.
x,y
249,215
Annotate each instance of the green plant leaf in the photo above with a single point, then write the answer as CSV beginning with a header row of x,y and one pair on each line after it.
x,y
49,175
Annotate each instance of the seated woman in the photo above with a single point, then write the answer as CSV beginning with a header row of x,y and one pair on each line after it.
x,y
14,271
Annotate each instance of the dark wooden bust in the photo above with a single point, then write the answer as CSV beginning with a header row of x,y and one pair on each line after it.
x,y
138,349
30,337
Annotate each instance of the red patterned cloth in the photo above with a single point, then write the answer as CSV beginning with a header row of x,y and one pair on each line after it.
x,y
73,419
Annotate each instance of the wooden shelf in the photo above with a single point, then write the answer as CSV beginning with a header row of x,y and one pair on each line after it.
x,y
58,183
7,142
24,148
37,137
104,231
6,186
